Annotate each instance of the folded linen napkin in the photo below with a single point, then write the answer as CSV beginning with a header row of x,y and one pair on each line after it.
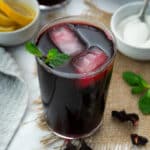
x,y
13,99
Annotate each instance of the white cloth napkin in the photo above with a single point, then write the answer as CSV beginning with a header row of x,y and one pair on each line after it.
x,y
13,99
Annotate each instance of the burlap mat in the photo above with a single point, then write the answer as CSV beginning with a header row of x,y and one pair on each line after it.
x,y
114,135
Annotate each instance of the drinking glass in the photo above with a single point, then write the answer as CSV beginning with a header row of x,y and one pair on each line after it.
x,y
74,103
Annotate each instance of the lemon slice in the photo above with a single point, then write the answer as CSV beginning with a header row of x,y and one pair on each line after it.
x,y
5,21
7,29
17,11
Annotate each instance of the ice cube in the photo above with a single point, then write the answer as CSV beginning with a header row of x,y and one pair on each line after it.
x,y
89,60
66,40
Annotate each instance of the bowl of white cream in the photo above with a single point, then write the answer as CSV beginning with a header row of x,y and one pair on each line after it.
x,y
132,35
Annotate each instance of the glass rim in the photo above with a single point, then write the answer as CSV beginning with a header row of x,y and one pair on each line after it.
x,y
84,19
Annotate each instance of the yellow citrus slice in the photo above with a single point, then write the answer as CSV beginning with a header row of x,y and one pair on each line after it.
x,y
5,21
7,29
17,11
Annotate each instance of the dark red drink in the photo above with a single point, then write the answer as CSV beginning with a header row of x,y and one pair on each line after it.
x,y
74,94
50,4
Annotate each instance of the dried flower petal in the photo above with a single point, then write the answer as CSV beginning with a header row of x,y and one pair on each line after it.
x,y
120,115
70,146
138,140
84,146
134,118
124,117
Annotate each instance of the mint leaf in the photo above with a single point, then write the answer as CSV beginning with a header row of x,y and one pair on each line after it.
x,y
52,53
54,58
145,84
135,80
53,63
62,57
144,103
31,48
132,78
137,89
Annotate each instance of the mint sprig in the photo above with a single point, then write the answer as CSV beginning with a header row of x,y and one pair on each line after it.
x,y
139,86
53,58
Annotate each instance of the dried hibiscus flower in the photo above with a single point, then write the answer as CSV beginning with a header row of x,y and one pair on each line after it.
x,y
84,146
138,140
70,146
124,117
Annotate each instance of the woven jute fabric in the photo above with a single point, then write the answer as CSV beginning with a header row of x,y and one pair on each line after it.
x,y
114,135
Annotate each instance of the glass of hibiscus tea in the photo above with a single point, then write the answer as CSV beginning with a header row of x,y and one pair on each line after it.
x,y
74,93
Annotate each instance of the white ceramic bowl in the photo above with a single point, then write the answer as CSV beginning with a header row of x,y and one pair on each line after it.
x,y
128,50
25,33
112,5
